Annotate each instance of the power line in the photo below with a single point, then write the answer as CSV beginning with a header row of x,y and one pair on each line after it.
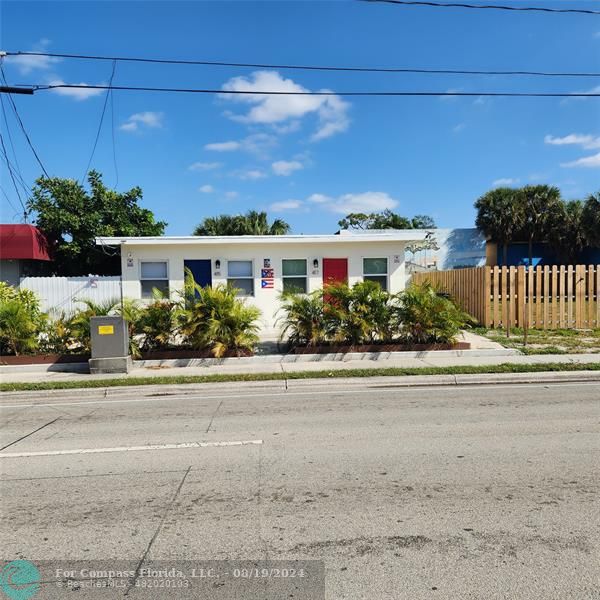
x,y
14,107
209,63
12,146
10,171
581,11
10,202
41,87
108,92
114,146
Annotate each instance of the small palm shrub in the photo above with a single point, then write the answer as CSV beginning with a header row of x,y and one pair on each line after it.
x,y
360,314
303,318
157,324
56,337
18,329
219,321
425,317
20,320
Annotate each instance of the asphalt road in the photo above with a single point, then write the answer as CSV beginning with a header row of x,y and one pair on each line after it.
x,y
485,492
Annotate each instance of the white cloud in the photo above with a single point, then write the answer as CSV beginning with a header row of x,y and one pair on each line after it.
x,y
276,109
591,162
27,63
223,146
206,189
149,119
286,167
205,166
458,128
250,174
319,198
286,205
79,93
231,195
257,143
365,202
587,141
504,181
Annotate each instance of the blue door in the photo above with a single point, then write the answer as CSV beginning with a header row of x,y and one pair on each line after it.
x,y
201,270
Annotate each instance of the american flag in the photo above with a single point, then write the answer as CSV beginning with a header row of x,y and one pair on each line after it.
x,y
268,284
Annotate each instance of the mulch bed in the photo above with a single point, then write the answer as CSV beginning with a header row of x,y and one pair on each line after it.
x,y
176,354
43,359
333,349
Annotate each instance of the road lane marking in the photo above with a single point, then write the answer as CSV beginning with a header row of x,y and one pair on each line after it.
x,y
183,445
388,388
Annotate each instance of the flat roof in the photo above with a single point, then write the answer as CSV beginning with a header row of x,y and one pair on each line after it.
x,y
397,235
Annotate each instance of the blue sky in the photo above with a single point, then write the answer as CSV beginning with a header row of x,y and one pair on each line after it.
x,y
309,160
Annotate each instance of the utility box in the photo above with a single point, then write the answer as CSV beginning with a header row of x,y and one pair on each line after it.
x,y
110,345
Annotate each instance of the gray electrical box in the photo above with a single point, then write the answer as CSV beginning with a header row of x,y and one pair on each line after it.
x,y
110,345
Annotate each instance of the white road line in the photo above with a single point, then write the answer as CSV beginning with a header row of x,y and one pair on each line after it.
x,y
388,388
130,448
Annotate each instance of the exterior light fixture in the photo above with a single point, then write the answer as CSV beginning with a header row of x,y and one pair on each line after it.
x,y
217,264
316,263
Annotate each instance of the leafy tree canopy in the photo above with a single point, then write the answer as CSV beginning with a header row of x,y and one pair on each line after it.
x,y
71,217
252,223
590,217
385,220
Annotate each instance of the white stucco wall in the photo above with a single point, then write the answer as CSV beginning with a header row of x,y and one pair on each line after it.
x,y
265,299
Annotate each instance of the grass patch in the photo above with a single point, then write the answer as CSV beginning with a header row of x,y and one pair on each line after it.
x,y
390,371
547,341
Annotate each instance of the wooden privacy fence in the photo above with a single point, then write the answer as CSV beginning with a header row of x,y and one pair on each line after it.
x,y
539,297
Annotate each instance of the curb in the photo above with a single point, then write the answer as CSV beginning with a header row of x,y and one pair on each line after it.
x,y
269,359
406,381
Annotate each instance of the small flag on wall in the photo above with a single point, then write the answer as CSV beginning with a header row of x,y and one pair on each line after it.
x,y
267,284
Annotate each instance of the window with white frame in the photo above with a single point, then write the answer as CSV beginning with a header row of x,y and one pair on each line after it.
x,y
154,275
376,269
294,275
240,276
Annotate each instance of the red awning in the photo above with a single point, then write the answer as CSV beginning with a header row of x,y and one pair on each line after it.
x,y
24,242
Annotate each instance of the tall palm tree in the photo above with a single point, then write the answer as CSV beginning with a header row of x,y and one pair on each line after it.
x,y
538,207
498,216
252,223
590,220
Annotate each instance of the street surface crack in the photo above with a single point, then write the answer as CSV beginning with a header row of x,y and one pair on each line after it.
x,y
158,530
27,435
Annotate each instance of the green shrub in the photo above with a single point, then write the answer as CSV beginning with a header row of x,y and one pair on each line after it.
x,y
219,321
20,320
157,324
303,319
425,317
56,337
360,314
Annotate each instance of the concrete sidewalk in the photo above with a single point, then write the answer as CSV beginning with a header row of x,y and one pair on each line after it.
x,y
305,363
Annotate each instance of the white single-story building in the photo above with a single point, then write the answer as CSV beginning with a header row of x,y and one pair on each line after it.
x,y
261,267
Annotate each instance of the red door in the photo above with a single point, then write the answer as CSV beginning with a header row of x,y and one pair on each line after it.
x,y
335,270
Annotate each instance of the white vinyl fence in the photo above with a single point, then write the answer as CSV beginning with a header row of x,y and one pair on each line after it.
x,y
60,294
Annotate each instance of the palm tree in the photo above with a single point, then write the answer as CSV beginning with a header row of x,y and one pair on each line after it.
x,y
252,223
590,220
565,231
538,207
498,216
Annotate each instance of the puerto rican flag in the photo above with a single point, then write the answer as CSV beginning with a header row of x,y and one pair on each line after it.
x,y
267,284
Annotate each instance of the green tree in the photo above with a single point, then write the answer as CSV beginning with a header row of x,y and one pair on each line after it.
x,y
590,220
566,232
385,220
498,216
538,207
252,223
71,217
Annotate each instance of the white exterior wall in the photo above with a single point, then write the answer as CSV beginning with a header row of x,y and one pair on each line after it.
x,y
265,299
61,294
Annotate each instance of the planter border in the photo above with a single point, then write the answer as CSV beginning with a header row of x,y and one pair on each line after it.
x,y
376,348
